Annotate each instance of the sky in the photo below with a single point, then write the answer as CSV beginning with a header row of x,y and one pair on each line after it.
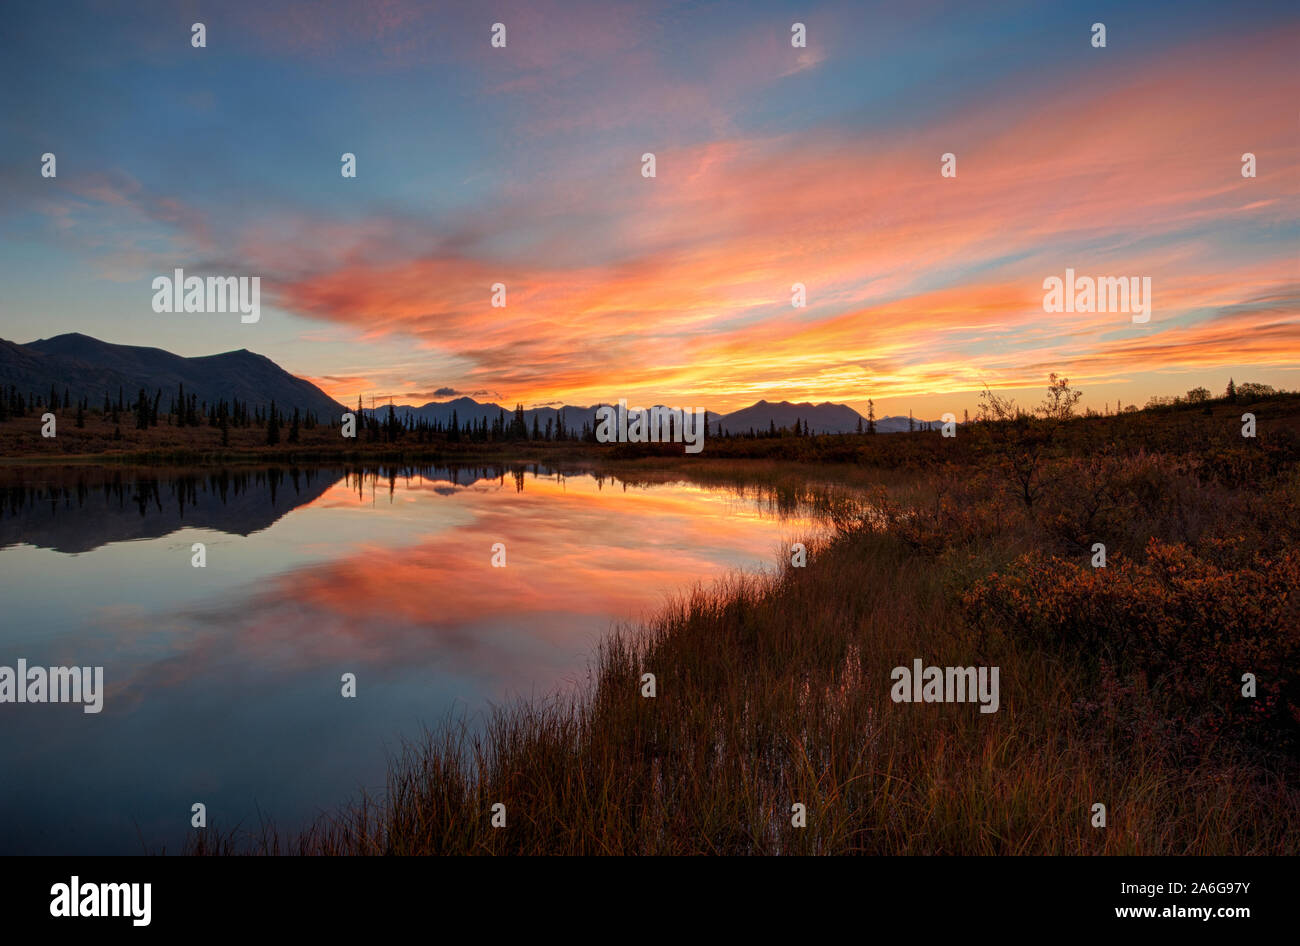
x,y
774,165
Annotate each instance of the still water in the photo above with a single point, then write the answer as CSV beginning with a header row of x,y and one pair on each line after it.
x,y
222,684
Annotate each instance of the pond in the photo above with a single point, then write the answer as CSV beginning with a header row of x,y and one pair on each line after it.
x,y
442,591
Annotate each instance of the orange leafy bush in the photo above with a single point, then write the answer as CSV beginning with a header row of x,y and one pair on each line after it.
x,y
1191,627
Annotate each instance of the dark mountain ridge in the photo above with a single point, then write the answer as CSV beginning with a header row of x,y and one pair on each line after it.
x,y
90,368
824,418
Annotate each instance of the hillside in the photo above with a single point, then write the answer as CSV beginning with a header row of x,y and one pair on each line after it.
x,y
824,418
90,368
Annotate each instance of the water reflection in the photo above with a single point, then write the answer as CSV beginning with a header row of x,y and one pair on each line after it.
x,y
79,509
223,683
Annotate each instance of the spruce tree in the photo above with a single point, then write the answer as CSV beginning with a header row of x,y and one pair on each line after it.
x,y
272,426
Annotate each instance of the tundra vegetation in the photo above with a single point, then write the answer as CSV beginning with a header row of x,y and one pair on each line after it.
x,y
1121,685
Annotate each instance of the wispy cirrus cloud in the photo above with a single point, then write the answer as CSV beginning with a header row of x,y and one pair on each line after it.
x,y
693,293
774,167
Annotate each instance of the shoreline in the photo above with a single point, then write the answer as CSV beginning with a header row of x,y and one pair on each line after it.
x,y
1119,688
1119,684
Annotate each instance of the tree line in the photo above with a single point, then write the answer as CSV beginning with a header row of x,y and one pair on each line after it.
x,y
145,410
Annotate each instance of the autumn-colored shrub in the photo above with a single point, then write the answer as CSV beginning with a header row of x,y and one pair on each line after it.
x,y
1191,627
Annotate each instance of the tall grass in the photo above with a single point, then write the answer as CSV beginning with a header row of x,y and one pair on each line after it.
x,y
772,692
1118,687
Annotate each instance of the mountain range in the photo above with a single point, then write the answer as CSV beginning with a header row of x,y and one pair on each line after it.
x,y
90,368
824,418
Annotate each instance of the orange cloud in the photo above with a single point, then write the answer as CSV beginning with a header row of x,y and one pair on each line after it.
x,y
913,280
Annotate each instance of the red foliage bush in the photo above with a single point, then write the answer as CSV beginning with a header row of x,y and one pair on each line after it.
x,y
1190,626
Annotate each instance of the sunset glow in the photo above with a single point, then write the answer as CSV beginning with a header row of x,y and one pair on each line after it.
x,y
775,166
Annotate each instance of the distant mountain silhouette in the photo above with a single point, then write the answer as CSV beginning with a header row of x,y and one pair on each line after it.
x,y
467,409
895,425
825,418
88,367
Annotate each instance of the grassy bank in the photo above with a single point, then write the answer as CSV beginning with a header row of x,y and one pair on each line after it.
x,y
1120,685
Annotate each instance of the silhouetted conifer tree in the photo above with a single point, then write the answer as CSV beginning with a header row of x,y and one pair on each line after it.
x,y
272,426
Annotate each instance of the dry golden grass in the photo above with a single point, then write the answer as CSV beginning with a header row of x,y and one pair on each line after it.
x,y
772,692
